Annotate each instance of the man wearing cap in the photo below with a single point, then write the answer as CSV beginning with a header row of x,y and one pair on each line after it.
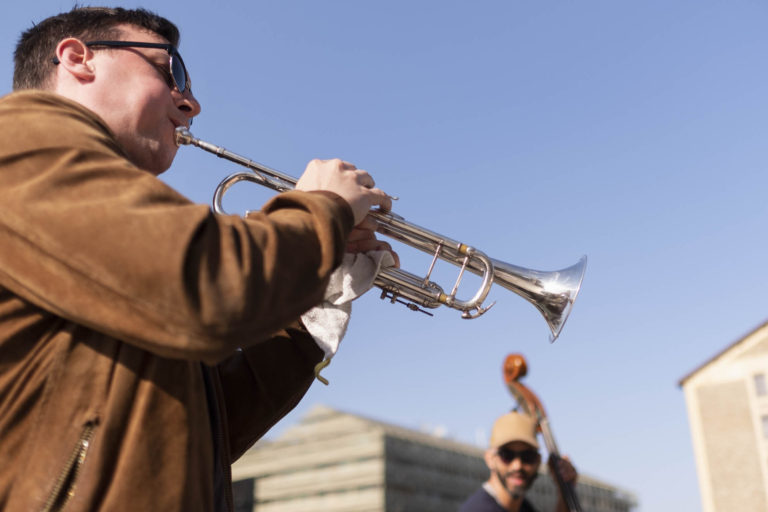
x,y
513,458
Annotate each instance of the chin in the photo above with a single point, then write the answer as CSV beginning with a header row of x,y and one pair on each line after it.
x,y
160,170
159,162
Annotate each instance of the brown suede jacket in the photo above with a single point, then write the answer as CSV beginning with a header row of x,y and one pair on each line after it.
x,y
136,326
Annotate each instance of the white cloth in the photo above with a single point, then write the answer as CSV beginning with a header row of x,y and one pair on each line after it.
x,y
327,323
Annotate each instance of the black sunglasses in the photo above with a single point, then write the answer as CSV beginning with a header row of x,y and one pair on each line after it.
x,y
176,76
527,456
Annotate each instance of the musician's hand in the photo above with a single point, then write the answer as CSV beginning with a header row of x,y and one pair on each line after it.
x,y
565,468
354,185
363,239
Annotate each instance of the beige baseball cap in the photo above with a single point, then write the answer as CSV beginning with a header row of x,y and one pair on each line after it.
x,y
514,426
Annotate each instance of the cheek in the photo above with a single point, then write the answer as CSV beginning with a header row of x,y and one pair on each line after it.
x,y
154,108
150,100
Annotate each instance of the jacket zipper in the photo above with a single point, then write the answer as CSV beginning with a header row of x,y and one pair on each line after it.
x,y
65,484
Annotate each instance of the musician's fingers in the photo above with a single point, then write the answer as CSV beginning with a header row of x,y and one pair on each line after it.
x,y
567,470
396,257
367,224
368,245
358,236
365,179
381,199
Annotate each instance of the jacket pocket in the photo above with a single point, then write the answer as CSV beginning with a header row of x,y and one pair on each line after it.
x,y
64,488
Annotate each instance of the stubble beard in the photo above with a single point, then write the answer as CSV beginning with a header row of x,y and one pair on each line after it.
x,y
149,152
517,492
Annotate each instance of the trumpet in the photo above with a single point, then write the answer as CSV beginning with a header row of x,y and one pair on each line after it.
x,y
551,292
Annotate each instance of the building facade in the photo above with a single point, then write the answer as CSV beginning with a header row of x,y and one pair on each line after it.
x,y
727,401
338,462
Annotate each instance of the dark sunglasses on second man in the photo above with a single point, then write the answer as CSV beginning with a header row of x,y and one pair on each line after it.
x,y
507,455
176,75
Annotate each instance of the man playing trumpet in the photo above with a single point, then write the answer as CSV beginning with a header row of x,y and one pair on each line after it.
x,y
145,343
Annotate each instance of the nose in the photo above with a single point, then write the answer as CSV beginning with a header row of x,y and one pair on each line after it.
x,y
187,103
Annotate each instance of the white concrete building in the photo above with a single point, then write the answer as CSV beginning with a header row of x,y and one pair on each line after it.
x,y
338,462
727,400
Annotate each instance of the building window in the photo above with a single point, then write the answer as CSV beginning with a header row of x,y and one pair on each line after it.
x,y
760,387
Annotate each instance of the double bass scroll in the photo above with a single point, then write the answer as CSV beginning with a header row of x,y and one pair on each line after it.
x,y
515,368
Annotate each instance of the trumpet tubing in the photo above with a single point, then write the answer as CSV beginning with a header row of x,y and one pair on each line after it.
x,y
552,293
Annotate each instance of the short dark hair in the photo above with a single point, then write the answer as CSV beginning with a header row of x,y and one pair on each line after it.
x,y
33,64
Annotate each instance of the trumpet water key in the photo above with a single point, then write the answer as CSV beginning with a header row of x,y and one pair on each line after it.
x,y
552,292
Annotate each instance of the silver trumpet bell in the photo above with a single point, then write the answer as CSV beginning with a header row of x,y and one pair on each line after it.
x,y
552,293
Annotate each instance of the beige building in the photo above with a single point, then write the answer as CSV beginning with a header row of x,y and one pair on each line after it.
x,y
338,462
727,400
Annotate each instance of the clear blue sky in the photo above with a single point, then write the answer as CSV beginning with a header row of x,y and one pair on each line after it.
x,y
633,132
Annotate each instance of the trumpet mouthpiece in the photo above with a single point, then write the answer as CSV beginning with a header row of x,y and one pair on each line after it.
x,y
183,136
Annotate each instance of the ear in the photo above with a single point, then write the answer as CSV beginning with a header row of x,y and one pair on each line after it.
x,y
488,456
75,58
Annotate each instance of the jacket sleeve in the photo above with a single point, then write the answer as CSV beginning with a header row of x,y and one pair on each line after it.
x,y
89,237
263,382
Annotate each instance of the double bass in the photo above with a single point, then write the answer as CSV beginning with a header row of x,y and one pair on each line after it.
x,y
515,368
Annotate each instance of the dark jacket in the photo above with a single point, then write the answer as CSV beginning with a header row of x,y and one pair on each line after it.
x,y
481,501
